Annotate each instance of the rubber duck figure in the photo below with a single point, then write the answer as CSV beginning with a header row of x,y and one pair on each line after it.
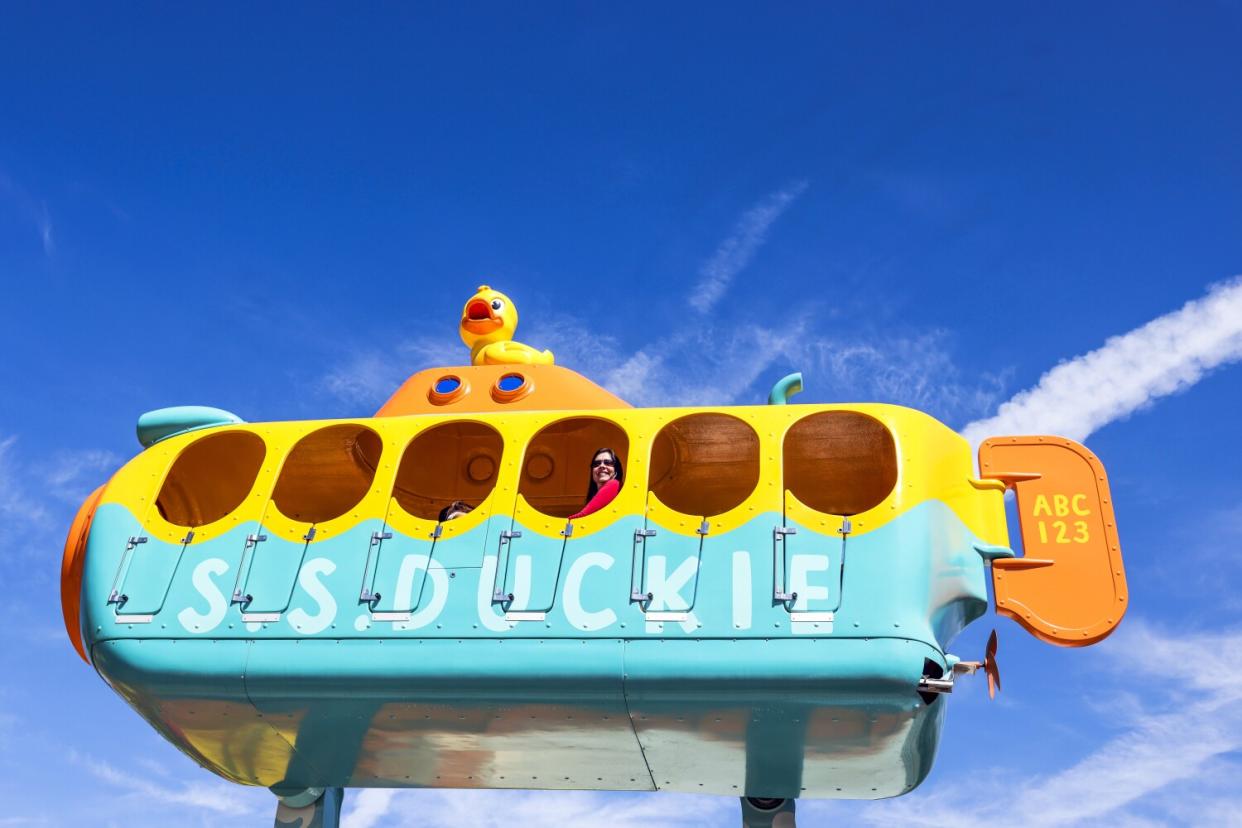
x,y
487,324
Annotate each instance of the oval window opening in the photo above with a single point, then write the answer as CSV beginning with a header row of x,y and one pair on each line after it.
x,y
210,478
511,382
327,473
449,462
840,462
447,385
705,464
556,471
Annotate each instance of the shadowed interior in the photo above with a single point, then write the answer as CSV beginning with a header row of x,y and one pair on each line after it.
x,y
840,462
556,470
210,478
705,464
327,472
453,461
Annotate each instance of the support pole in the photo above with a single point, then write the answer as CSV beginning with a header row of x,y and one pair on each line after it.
x,y
323,812
759,812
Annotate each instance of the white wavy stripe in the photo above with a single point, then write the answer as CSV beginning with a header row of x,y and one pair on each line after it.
x,y
1167,355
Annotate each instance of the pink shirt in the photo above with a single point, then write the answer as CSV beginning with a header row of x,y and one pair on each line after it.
x,y
602,498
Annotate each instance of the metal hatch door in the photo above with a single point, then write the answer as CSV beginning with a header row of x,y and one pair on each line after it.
x,y
809,553
667,560
268,572
146,572
398,558
530,558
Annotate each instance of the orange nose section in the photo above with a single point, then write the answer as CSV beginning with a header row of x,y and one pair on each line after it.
x,y
71,569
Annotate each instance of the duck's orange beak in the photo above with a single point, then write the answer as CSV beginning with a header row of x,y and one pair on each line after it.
x,y
478,318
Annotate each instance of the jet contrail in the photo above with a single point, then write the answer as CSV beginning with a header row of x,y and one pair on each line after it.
x,y
1167,355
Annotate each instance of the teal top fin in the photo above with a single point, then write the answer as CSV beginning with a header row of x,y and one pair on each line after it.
x,y
163,423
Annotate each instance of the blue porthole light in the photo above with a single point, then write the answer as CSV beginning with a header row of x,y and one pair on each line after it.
x,y
511,387
447,389
511,382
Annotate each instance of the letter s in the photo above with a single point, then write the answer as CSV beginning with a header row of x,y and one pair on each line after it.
x,y
304,622
199,622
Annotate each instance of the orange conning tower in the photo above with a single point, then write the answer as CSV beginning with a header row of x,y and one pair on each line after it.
x,y
482,388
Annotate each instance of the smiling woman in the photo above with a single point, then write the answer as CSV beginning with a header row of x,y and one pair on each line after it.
x,y
557,457
606,478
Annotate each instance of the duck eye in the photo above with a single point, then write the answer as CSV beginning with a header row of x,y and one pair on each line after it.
x,y
497,305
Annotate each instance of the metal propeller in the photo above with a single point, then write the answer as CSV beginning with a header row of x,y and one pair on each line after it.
x,y
990,668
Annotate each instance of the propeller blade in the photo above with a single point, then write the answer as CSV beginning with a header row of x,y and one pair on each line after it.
x,y
991,668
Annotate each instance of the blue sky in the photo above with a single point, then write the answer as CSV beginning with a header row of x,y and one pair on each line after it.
x,y
280,211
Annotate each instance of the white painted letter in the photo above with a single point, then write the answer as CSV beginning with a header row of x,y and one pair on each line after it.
x,y
799,567
308,579
521,582
663,587
197,622
403,589
742,591
579,617
439,597
489,615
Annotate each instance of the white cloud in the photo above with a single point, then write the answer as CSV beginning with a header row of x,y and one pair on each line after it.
x,y
72,475
501,809
1171,751
1167,355
723,361
31,210
716,364
44,221
739,248
713,361
217,796
366,808
370,376
16,505
709,365
916,370
33,506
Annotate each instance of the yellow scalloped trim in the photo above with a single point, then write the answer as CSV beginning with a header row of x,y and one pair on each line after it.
x,y
934,463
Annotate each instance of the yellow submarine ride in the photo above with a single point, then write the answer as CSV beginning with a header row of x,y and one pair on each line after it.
x,y
764,610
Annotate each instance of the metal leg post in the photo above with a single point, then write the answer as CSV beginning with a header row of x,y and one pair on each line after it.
x,y
323,812
760,812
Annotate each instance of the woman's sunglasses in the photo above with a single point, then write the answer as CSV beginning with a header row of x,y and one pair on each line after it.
x,y
597,463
